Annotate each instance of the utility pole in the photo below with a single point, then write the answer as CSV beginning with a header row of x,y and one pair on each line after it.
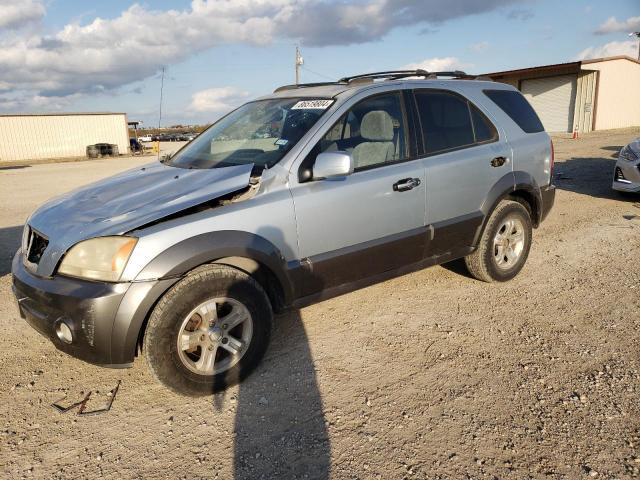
x,y
160,115
299,62
636,34
161,88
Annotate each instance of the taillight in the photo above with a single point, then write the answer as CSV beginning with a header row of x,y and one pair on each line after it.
x,y
552,162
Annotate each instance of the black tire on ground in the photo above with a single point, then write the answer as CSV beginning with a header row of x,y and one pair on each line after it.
x,y
92,151
482,263
160,342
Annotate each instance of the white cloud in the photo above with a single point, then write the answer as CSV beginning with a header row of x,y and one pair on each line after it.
x,y
105,54
220,99
611,49
437,64
479,47
612,25
15,14
522,14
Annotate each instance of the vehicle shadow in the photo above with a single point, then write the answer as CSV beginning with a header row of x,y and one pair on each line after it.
x,y
279,429
588,176
458,267
14,167
10,238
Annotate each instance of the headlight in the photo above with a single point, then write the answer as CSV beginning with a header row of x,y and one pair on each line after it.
x,y
627,154
102,258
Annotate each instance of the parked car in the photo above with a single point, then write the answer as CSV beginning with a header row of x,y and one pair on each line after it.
x,y
626,174
187,259
146,138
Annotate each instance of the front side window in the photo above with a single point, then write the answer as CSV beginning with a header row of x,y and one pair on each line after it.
x,y
373,132
259,133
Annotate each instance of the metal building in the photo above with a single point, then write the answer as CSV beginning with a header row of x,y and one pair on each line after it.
x,y
581,96
60,135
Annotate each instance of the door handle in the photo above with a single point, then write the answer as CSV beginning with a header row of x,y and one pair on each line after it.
x,y
499,161
406,184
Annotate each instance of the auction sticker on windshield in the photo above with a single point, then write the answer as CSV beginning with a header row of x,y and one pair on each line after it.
x,y
312,104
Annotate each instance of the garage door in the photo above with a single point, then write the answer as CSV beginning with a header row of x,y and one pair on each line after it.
x,y
553,98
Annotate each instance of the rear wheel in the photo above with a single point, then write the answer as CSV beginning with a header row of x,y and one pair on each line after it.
x,y
209,331
504,246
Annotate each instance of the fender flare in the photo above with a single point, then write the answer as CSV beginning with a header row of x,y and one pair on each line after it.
x,y
505,186
176,261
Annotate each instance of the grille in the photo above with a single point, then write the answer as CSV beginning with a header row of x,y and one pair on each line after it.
x,y
36,246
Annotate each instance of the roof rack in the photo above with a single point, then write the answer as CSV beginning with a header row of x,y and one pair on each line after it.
x,y
304,85
397,74
388,75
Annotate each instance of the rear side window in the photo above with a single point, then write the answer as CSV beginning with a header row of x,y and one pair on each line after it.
x,y
482,127
517,107
450,122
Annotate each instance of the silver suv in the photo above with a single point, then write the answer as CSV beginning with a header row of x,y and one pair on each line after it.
x,y
298,196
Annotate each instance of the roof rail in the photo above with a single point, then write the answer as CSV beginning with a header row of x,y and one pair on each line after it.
x,y
304,85
389,75
397,74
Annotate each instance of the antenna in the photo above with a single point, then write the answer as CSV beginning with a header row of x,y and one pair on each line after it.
x,y
299,63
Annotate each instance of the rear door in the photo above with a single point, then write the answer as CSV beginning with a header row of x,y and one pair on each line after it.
x,y
360,225
463,160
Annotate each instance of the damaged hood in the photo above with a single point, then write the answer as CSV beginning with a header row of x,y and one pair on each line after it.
x,y
126,201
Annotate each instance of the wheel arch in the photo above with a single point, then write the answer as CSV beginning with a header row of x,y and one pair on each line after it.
x,y
519,186
248,252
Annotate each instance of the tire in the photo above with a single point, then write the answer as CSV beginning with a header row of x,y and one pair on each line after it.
x,y
92,151
491,262
181,367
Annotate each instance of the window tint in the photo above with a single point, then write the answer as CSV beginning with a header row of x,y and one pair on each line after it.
x,y
482,126
373,132
445,120
517,107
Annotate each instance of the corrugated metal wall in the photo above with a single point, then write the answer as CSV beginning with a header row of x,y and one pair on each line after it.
x,y
618,93
31,137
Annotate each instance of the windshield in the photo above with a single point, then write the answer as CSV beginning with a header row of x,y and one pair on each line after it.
x,y
260,132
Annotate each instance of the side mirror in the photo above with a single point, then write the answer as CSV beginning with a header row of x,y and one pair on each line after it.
x,y
332,165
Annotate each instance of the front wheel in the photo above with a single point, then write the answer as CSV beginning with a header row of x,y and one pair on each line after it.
x,y
209,331
504,246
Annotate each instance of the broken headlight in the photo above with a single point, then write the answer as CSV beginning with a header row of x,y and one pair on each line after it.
x,y
102,258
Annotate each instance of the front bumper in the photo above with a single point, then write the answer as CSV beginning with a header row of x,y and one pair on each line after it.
x,y
626,176
104,318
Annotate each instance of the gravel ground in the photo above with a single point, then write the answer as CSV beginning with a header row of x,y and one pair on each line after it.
x,y
429,375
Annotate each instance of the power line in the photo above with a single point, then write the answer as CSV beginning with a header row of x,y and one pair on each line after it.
x,y
318,74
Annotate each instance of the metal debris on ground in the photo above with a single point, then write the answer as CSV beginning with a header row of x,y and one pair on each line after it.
x,y
82,404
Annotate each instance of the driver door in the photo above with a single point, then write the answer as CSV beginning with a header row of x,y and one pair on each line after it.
x,y
369,222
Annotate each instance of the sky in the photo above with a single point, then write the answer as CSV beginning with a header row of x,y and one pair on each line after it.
x,y
73,55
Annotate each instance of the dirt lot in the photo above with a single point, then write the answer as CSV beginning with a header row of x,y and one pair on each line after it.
x,y
430,375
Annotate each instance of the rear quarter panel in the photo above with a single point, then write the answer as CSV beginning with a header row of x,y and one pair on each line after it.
x,y
531,152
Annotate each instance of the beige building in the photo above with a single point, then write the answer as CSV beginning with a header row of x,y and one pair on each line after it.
x,y
63,135
581,96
